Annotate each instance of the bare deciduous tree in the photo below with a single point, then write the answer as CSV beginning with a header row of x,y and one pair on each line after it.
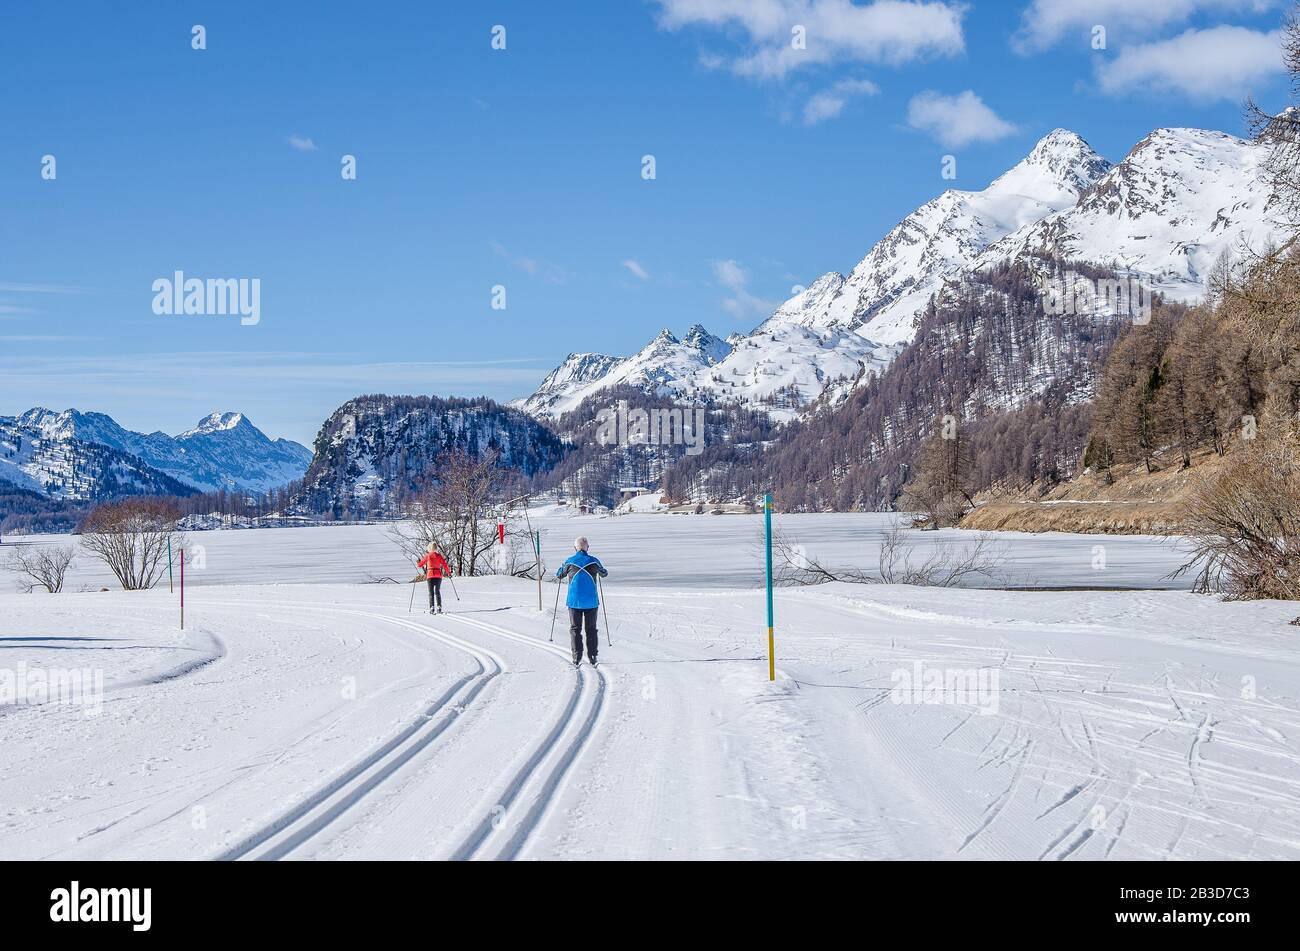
x,y
43,566
459,513
133,537
1282,129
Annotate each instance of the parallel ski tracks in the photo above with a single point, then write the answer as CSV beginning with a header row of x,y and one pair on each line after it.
x,y
307,818
504,833
520,801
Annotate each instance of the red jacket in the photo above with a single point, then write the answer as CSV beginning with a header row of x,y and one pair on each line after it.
x,y
434,565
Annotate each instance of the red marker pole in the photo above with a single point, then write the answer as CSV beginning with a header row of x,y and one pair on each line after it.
x,y
501,533
182,553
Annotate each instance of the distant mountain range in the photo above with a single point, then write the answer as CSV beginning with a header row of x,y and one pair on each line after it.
x,y
78,456
946,309
1164,215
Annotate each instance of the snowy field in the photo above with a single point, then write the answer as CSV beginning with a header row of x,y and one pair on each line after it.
x,y
305,715
688,551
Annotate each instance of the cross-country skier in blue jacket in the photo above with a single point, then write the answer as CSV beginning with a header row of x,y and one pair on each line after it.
x,y
583,600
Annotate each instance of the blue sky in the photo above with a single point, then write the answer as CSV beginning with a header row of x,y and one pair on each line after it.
x,y
519,167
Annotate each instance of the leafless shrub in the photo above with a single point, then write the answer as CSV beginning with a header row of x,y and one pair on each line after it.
x,y
794,565
901,560
43,566
134,537
943,565
1245,526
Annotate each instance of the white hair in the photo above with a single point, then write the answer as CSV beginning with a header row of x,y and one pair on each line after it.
x,y
580,543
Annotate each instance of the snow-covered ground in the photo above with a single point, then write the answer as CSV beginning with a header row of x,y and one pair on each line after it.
x,y
302,717
688,551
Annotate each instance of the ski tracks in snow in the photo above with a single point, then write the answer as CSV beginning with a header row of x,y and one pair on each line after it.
x,y
516,801
309,817
527,793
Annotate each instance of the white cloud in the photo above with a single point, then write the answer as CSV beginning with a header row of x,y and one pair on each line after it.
x,y
956,121
1206,65
1046,22
537,267
635,267
882,31
302,143
829,103
741,304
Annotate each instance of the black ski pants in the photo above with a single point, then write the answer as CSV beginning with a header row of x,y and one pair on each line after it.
x,y
580,618
435,591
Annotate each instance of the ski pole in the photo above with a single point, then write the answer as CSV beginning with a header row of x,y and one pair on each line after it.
x,y
453,587
556,613
411,607
608,640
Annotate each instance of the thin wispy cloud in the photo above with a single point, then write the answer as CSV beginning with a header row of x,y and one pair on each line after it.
x,y
889,32
956,121
42,338
302,143
10,287
742,303
537,267
830,103
634,266
1219,64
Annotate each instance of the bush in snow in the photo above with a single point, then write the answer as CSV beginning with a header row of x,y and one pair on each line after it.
x,y
135,538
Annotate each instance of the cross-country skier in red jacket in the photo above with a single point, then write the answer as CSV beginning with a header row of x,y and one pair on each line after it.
x,y
435,569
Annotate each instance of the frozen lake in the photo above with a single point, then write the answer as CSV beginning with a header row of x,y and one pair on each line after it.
x,y
664,550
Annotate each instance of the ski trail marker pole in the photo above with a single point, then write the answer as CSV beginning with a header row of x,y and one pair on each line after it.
x,y
605,609
182,554
537,547
171,588
771,637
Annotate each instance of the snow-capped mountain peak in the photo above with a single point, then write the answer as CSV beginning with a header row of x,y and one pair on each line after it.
x,y
215,423
713,348
882,296
580,373
661,365
1056,172
1165,214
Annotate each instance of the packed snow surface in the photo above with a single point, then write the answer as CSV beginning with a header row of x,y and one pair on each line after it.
x,y
301,717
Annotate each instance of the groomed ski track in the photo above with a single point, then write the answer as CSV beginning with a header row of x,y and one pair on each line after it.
x,y
322,721
517,801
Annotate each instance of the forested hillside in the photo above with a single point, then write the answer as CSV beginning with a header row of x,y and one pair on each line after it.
x,y
1017,379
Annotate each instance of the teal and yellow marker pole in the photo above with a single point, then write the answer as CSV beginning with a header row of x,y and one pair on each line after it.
x,y
771,624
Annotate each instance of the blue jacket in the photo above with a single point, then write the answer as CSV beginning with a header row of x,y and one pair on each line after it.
x,y
582,587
